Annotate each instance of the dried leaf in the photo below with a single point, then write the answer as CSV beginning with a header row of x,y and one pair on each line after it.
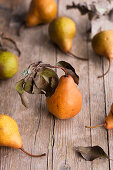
x,y
70,70
28,86
24,100
91,153
46,81
92,9
19,86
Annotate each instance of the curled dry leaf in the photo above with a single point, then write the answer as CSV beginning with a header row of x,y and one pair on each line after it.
x,y
91,153
19,86
28,86
70,70
46,81
24,100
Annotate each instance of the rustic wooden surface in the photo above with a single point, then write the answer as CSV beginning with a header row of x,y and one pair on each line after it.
x,y
40,131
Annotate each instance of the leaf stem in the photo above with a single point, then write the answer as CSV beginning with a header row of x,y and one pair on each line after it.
x,y
50,66
31,154
94,126
62,68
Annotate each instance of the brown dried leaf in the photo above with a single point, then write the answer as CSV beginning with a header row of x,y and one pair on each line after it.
x,y
46,81
91,153
70,70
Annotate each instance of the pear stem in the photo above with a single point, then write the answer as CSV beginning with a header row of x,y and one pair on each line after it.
x,y
12,41
21,27
70,53
94,126
31,154
110,61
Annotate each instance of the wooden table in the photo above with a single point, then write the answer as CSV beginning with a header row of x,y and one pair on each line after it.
x,y
40,131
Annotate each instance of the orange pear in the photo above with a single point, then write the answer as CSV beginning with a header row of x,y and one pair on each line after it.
x,y
41,12
66,101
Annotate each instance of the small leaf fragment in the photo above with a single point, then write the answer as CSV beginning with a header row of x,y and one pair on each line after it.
x,y
24,100
70,70
26,72
19,86
91,153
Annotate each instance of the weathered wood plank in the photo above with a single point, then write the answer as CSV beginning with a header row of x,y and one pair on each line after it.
x,y
34,123
72,132
98,94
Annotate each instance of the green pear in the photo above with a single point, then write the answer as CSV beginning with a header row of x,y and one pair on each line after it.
x,y
8,65
62,31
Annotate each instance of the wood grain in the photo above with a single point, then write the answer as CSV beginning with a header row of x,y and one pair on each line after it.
x,y
41,132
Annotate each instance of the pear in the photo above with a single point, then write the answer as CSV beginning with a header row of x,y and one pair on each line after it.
x,y
62,31
8,65
41,12
9,134
108,120
66,101
102,44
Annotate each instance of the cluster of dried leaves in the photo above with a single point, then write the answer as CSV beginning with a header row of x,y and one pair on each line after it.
x,y
92,10
40,78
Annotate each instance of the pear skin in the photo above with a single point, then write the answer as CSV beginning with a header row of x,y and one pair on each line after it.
x,y
62,31
66,102
8,65
109,119
102,43
9,133
41,12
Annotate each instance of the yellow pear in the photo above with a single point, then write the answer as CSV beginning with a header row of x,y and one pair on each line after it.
x,y
102,44
9,134
62,31
41,12
66,101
